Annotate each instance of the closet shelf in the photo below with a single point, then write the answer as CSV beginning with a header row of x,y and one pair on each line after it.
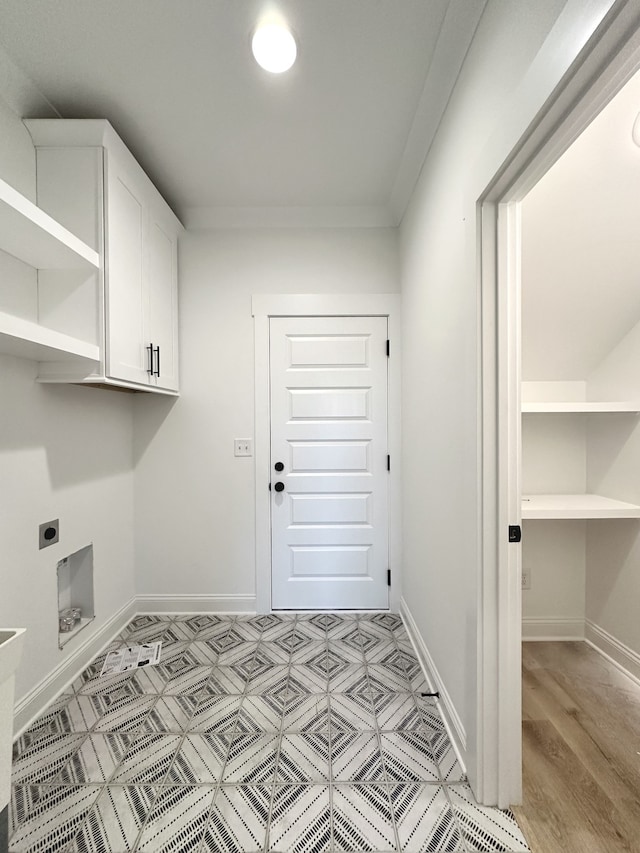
x,y
580,406
32,236
576,506
29,340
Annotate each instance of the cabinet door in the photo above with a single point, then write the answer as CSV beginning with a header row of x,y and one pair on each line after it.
x,y
126,294
162,322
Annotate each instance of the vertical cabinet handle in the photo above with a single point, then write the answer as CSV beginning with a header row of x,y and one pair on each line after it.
x,y
154,360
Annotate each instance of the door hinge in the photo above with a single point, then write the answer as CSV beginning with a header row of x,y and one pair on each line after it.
x,y
515,533
388,577
388,347
388,462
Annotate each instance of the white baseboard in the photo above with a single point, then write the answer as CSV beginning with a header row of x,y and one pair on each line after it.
x,y
196,603
620,655
451,718
39,697
553,629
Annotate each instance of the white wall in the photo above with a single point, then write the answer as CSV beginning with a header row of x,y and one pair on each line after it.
x,y
66,453
195,527
498,94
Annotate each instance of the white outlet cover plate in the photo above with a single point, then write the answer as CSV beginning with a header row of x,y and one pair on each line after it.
x,y
243,447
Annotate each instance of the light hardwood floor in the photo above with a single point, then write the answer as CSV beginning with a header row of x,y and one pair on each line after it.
x,y
581,752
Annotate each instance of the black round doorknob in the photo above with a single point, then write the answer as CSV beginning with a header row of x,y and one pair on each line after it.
x,y
279,466
279,487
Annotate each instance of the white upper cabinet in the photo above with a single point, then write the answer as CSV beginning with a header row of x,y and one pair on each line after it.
x,y
91,183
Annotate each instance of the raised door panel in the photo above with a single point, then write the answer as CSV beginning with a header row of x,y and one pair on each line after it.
x,y
126,294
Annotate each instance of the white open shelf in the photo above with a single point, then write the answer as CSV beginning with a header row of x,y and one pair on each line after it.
x,y
26,339
32,236
578,406
576,506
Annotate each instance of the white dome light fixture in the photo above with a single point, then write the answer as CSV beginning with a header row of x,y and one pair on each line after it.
x,y
274,48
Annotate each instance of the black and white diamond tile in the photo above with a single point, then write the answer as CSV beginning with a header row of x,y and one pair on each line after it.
x,y
96,759
305,678
408,756
45,819
147,760
300,819
425,820
485,828
251,760
261,713
225,680
349,678
45,758
446,759
238,820
314,720
144,629
351,712
124,715
388,678
242,653
177,819
362,818
69,715
216,714
356,757
191,680
172,713
203,652
397,712
115,821
200,760
303,758
198,623
273,680
390,621
306,713
138,682
384,649
309,652
272,654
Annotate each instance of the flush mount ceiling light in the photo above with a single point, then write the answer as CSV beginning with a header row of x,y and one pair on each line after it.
x,y
274,48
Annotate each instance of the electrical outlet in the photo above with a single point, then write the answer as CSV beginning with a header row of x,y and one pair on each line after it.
x,y
526,579
242,447
48,533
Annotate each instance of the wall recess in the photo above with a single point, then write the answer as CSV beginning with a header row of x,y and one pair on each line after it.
x,y
75,592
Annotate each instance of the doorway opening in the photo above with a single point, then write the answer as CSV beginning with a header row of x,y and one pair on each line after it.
x,y
606,65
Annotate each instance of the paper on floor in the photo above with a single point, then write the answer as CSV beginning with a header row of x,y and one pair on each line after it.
x,y
148,654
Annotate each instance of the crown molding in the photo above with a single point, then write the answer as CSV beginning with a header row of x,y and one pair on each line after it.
x,y
212,218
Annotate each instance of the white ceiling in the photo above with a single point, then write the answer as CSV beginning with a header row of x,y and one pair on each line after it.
x,y
339,139
581,249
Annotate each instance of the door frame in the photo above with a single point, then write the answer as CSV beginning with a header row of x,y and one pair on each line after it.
x,y
265,306
608,58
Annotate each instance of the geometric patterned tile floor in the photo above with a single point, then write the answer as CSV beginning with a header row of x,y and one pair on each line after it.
x,y
262,734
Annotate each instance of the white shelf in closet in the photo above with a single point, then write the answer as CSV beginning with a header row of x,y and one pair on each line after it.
x,y
26,339
577,407
576,507
32,236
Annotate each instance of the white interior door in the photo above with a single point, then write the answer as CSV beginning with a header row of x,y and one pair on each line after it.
x,y
329,477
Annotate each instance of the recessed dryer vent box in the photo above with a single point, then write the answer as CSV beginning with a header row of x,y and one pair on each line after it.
x,y
75,589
